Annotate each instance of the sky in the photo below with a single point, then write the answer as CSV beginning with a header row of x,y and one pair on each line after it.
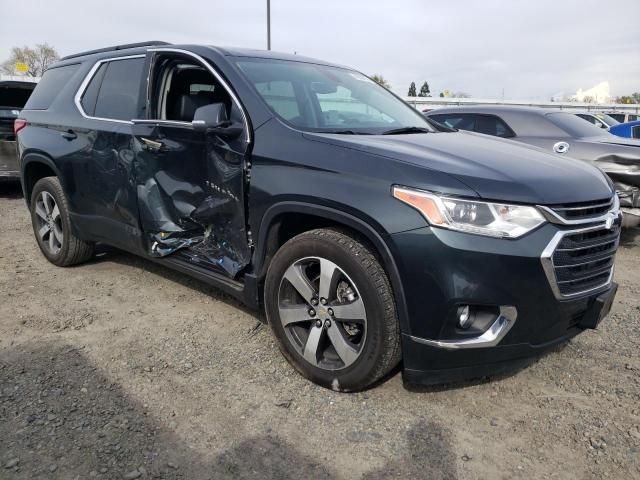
x,y
488,48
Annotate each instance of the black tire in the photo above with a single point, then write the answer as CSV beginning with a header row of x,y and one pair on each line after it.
x,y
380,352
71,250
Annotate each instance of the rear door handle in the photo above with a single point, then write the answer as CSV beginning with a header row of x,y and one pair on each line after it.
x,y
69,135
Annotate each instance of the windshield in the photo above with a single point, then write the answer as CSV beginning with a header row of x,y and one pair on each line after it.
x,y
574,125
607,119
328,99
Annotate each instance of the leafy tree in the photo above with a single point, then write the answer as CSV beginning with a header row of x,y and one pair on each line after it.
x,y
380,80
37,59
424,90
412,90
636,97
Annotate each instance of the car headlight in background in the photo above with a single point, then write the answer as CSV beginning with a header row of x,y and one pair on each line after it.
x,y
482,218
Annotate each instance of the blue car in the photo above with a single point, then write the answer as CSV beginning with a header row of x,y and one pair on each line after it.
x,y
627,130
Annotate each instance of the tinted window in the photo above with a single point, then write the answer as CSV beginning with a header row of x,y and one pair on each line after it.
x,y
632,118
461,121
118,95
91,93
618,116
635,132
492,125
52,82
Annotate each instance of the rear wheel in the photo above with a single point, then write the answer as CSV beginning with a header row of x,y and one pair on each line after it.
x,y
52,225
331,307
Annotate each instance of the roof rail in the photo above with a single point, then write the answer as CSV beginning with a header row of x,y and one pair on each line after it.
x,y
116,47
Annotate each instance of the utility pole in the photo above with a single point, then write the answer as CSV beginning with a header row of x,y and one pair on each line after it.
x,y
268,24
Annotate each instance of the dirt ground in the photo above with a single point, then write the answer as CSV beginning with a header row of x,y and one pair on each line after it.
x,y
120,368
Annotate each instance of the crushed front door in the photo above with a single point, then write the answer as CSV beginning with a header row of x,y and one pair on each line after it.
x,y
190,188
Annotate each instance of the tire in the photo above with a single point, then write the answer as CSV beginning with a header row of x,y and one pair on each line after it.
x,y
330,343
52,225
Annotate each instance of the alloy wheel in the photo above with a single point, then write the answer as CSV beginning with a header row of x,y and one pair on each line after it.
x,y
322,313
49,223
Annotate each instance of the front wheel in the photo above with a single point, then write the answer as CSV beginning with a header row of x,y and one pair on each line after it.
x,y
330,305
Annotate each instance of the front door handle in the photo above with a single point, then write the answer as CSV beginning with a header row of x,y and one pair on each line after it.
x,y
152,145
69,135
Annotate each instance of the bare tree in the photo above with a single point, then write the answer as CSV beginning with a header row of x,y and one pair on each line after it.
x,y
380,80
37,59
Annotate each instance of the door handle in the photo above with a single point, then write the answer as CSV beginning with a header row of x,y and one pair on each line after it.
x,y
69,135
152,145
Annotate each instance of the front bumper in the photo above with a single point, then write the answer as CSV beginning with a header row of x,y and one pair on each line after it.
x,y
443,269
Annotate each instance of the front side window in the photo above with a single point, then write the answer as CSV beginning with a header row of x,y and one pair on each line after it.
x,y
119,92
323,98
180,86
461,121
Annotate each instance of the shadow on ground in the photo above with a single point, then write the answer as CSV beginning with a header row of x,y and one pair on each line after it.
x,y
61,418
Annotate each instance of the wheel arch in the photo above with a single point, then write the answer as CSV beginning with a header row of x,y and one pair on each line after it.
x,y
309,216
35,166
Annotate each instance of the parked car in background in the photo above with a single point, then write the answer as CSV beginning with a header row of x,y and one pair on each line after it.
x,y
13,96
305,187
623,117
627,130
563,133
600,120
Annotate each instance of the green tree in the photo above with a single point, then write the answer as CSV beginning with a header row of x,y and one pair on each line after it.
x,y
380,80
412,90
424,90
636,97
37,59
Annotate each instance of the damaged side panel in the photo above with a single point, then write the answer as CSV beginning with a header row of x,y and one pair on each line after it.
x,y
624,170
190,190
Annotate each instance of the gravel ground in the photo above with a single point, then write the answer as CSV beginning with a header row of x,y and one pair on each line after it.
x,y
123,369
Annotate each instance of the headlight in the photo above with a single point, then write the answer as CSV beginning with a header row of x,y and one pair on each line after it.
x,y
482,218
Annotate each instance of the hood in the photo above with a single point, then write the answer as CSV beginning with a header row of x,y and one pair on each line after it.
x,y
614,140
496,169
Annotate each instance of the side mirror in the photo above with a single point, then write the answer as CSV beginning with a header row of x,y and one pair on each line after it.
x,y
213,118
210,116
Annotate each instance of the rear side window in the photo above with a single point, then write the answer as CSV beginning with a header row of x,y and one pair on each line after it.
x,y
632,118
635,132
90,95
118,94
51,84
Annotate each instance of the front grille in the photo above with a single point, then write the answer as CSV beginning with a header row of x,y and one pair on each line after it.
x,y
584,210
583,261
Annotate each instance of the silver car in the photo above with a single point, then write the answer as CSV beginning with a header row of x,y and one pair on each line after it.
x,y
563,133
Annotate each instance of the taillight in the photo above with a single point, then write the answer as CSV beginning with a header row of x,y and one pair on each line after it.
x,y
19,124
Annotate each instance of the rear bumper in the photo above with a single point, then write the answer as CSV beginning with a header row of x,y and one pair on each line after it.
x,y
9,168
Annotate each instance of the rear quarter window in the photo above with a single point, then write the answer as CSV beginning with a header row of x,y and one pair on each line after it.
x,y
51,84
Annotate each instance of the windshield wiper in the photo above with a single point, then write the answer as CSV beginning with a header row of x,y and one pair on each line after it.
x,y
400,131
345,132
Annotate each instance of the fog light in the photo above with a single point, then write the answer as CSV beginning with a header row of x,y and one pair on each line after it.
x,y
464,317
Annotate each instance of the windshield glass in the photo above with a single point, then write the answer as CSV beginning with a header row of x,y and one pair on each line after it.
x,y
328,99
574,125
607,119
